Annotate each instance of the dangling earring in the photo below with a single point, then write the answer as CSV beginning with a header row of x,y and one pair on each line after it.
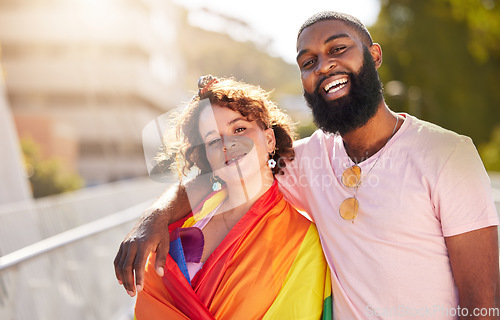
x,y
216,185
271,163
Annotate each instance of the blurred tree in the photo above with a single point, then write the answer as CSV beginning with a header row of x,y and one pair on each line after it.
x,y
208,52
446,54
483,21
47,176
307,130
490,152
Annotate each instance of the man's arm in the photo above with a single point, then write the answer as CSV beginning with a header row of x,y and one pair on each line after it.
x,y
474,263
150,234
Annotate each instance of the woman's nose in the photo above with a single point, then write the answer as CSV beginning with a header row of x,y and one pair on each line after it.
x,y
228,143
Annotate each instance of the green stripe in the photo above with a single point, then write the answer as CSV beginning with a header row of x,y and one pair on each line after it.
x,y
327,309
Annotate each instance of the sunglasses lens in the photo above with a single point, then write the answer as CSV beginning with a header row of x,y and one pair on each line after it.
x,y
349,208
351,176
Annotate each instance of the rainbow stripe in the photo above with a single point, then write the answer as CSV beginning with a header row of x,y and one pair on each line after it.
x,y
269,266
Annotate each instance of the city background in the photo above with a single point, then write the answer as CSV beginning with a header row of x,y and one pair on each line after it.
x,y
79,81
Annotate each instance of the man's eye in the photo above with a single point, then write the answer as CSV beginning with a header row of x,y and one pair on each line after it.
x,y
337,49
239,129
307,63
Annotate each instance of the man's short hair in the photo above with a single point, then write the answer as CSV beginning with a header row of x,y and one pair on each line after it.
x,y
351,21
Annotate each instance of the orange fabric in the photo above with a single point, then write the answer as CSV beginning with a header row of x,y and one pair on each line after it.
x,y
241,278
152,301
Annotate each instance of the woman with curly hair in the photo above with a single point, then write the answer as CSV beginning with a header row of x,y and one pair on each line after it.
x,y
243,252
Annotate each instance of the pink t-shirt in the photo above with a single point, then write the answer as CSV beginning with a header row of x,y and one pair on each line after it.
x,y
392,262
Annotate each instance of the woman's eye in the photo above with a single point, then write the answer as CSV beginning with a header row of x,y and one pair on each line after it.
x,y
239,129
214,142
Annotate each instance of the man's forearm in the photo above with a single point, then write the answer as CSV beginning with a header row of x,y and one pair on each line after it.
x,y
175,203
171,206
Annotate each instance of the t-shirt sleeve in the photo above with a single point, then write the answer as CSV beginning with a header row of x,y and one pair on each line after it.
x,y
290,183
462,197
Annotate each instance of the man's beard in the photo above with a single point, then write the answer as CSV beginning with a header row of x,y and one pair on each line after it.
x,y
353,110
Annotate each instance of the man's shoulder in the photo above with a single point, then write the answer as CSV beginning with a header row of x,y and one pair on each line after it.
x,y
317,139
426,128
423,135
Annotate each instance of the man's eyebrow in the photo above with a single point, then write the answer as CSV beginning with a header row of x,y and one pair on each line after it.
x,y
301,52
331,38
336,36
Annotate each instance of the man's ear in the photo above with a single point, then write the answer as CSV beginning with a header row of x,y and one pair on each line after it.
x,y
376,52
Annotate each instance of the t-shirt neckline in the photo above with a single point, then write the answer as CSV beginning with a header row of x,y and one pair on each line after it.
x,y
347,162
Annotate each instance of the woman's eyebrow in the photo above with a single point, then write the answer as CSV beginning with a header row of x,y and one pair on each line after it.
x,y
229,123
236,120
209,133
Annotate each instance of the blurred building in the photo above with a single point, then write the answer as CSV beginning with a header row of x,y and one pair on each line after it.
x,y
14,185
84,77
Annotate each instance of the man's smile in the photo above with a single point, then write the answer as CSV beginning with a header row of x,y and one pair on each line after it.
x,y
334,87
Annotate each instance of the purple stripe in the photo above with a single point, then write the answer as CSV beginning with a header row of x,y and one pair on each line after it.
x,y
193,243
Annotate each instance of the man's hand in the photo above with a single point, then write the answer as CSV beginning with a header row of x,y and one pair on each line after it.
x,y
150,234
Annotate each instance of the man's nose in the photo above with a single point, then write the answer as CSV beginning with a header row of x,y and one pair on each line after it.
x,y
325,65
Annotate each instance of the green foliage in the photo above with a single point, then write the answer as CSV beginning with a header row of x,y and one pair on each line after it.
x,y
450,51
47,176
306,131
482,19
490,152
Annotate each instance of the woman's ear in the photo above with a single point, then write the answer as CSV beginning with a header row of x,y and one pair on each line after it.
x,y
270,140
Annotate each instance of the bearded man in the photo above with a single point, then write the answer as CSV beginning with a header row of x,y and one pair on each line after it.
x,y
403,207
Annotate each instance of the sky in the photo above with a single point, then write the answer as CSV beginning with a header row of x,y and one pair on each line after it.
x,y
274,22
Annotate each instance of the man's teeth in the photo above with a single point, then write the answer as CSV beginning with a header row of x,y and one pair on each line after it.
x,y
338,83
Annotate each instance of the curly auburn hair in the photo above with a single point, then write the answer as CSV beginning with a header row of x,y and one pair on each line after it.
x,y
250,101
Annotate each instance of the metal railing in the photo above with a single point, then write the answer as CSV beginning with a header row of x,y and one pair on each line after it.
x,y
25,223
60,251
70,275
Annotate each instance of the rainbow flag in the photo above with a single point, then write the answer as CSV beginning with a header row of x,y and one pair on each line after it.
x,y
269,266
